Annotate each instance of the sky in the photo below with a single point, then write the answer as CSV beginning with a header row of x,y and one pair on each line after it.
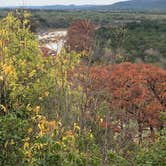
x,y
54,2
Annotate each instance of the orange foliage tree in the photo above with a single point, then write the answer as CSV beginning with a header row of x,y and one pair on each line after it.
x,y
80,36
140,90
138,94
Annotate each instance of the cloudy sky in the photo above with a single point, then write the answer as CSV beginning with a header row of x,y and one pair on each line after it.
x,y
54,2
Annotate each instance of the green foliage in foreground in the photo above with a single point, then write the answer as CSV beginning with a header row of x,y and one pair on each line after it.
x,y
33,86
155,155
40,113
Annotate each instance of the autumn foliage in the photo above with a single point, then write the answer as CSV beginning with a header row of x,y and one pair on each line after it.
x,y
140,89
80,35
55,110
138,92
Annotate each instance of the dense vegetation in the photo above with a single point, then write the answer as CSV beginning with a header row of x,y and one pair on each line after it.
x,y
144,41
64,111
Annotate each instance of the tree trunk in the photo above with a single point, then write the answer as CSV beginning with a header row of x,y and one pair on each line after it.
x,y
152,133
140,130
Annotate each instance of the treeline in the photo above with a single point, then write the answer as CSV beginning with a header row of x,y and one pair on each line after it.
x,y
62,19
134,42
144,41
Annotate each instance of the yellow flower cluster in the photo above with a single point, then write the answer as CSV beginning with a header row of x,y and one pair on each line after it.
x,y
3,108
76,127
46,127
1,78
7,69
36,109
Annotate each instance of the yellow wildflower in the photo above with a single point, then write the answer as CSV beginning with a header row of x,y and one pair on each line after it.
x,y
3,108
12,142
91,135
46,94
7,69
41,126
76,127
52,124
1,78
32,73
69,133
101,120
39,146
26,145
28,107
57,142
40,98
37,109
30,130
59,123
28,154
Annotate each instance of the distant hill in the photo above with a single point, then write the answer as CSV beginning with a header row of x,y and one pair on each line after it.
x,y
57,7
130,5
64,7
140,5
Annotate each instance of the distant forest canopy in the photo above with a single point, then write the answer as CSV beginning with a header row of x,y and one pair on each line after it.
x,y
145,39
44,19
